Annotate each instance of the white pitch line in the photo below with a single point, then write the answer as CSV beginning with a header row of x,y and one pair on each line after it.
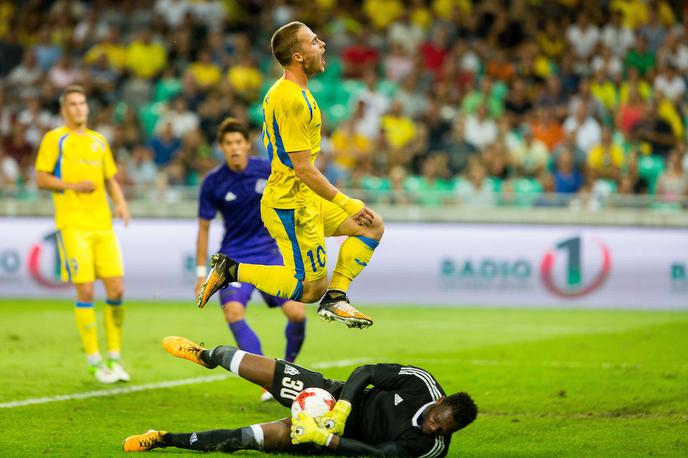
x,y
155,386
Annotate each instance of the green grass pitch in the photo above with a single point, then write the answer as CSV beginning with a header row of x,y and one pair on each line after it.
x,y
548,382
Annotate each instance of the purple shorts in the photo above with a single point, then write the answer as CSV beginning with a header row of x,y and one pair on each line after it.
x,y
241,292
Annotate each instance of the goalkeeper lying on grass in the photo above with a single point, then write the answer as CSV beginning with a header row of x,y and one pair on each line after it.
x,y
405,413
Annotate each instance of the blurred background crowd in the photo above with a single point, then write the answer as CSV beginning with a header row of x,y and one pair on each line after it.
x,y
432,102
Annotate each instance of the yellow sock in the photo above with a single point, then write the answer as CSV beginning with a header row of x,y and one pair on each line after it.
x,y
114,316
276,280
86,323
354,255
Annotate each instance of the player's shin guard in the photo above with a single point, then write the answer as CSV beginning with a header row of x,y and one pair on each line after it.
x,y
354,255
114,317
219,440
226,356
275,280
86,323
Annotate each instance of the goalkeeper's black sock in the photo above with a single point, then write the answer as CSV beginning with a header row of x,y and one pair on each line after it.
x,y
219,440
224,355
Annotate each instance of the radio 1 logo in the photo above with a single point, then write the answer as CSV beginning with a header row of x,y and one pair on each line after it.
x,y
570,269
42,262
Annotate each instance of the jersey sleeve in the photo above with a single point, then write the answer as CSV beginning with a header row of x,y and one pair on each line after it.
x,y
389,377
293,124
206,204
109,166
414,443
47,154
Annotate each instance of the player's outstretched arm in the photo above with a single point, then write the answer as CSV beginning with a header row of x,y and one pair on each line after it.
x,y
121,207
319,184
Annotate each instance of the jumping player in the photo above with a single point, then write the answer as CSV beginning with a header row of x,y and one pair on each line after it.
x,y
300,207
405,413
234,189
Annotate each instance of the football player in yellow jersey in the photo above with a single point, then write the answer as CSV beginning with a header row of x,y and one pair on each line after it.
x,y
300,207
77,165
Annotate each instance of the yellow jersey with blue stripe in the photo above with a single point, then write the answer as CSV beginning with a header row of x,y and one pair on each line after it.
x,y
73,157
291,122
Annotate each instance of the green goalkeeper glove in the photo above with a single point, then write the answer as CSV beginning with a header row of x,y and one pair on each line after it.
x,y
304,430
346,203
335,419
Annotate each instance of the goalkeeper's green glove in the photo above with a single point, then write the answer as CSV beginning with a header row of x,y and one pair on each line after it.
x,y
305,430
335,419
346,203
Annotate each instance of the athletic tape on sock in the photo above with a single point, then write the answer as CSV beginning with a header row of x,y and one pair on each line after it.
x,y
258,435
236,362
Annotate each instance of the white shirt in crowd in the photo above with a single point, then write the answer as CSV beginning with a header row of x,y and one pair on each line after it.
x,y
480,133
588,132
582,41
672,88
618,38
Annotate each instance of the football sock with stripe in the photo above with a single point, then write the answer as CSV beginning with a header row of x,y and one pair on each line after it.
x,y
219,440
245,338
86,324
226,356
275,280
114,317
354,255
295,332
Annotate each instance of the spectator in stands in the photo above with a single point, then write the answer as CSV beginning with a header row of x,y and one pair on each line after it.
x,y
517,103
399,129
435,51
429,189
24,77
173,11
145,58
180,118
359,57
582,36
398,63
546,127
672,185
655,130
567,178
17,148
165,145
640,58
631,112
616,36
530,157
205,71
9,171
415,102
47,53
586,128
674,52
605,159
653,31
476,190
405,33
459,151
141,168
373,104
669,83
349,146
110,47
64,73
633,79
35,120
604,91
607,62
480,130
245,77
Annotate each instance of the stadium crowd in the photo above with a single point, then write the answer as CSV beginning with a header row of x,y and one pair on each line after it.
x,y
430,102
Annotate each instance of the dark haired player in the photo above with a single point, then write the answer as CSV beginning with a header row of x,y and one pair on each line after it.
x,y
405,413
235,188
300,207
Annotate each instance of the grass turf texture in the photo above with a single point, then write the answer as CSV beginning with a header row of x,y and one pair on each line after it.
x,y
548,382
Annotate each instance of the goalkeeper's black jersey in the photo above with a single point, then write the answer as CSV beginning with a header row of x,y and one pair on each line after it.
x,y
391,410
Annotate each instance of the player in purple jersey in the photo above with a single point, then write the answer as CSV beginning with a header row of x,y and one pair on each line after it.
x,y
235,188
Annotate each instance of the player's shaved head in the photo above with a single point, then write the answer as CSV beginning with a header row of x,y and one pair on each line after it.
x,y
285,42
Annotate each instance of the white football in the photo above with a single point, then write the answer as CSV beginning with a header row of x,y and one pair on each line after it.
x,y
316,402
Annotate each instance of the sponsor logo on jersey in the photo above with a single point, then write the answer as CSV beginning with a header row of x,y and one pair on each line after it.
x,y
261,183
290,370
230,196
397,399
193,438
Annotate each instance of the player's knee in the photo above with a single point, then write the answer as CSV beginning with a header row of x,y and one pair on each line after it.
x,y
115,292
313,290
84,292
234,311
376,230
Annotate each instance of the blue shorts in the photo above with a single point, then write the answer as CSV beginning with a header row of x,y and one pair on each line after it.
x,y
241,292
